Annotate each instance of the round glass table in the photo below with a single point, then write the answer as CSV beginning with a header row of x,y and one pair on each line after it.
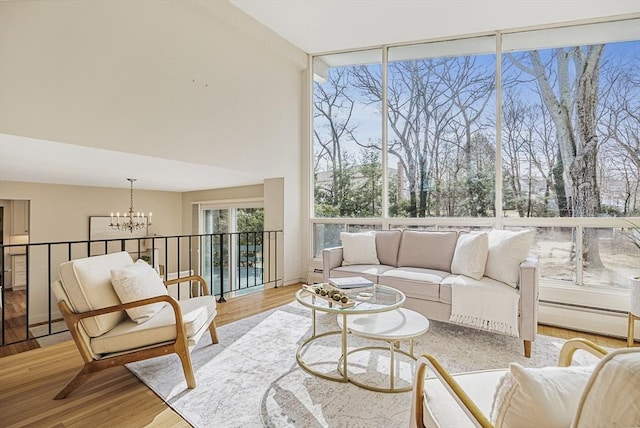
x,y
377,299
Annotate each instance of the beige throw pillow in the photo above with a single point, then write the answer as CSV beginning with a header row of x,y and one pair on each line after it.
x,y
359,248
136,282
470,256
538,397
507,249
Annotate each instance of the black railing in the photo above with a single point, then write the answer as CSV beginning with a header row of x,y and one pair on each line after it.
x,y
232,264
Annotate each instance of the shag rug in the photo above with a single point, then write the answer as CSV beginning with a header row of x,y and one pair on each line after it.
x,y
251,378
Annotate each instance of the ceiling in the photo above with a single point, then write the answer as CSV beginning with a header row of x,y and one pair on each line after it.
x,y
314,26
58,163
321,26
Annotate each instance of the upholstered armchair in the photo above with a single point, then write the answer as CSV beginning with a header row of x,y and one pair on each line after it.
x,y
119,311
605,395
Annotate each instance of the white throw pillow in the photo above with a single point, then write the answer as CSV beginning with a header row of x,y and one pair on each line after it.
x,y
470,256
507,249
538,397
136,282
359,248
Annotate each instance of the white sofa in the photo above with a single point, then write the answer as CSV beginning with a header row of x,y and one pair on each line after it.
x,y
425,265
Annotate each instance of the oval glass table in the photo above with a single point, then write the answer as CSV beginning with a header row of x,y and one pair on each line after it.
x,y
382,299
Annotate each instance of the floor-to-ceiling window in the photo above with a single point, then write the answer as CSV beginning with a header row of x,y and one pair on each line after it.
x,y
535,129
347,140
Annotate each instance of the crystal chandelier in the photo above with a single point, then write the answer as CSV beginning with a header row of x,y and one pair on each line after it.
x,y
131,220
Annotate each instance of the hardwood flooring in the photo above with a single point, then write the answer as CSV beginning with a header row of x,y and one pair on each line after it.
x,y
14,326
114,397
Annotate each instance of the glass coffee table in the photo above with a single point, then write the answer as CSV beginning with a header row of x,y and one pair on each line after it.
x,y
374,300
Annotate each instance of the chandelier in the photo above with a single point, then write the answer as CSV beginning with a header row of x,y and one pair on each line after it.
x,y
131,220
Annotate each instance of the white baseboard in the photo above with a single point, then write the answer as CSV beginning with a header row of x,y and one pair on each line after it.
x,y
589,320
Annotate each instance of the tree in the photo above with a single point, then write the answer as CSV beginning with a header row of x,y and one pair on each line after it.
x,y
333,109
568,82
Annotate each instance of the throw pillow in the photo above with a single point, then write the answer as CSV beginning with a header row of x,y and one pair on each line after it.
x,y
359,248
507,249
136,282
538,397
470,256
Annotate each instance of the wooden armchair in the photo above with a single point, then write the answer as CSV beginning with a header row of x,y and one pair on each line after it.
x,y
107,337
602,396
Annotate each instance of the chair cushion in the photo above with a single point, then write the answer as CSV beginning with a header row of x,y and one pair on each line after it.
x,y
428,250
612,396
538,397
137,282
440,408
507,249
387,244
359,248
87,283
160,328
470,256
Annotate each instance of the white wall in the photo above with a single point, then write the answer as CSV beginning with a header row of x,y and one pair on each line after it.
x,y
61,213
281,207
196,81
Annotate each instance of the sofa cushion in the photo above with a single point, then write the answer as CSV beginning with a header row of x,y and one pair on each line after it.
x,y
428,250
87,283
160,328
416,283
507,249
387,244
137,282
371,272
538,397
470,255
359,248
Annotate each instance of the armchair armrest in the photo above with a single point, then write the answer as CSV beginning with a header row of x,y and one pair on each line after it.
x,y
572,345
331,258
529,291
203,282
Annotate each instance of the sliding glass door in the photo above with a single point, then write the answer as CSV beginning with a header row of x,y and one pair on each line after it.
x,y
232,247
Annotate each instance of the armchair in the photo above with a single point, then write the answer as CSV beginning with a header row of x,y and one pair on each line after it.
x,y
604,396
105,334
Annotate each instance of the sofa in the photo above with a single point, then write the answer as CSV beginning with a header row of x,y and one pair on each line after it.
x,y
487,280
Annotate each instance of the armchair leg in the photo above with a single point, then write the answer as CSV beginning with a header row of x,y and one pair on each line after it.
x,y
213,332
187,367
527,348
82,376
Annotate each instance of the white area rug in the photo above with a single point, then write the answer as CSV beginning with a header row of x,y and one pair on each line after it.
x,y
251,378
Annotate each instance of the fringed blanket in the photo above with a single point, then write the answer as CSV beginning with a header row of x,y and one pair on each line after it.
x,y
485,304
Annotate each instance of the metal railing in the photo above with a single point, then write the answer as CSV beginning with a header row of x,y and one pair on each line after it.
x,y
232,263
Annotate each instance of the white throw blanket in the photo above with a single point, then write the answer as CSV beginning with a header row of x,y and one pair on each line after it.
x,y
486,304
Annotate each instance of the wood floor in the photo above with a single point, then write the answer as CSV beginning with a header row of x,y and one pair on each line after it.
x,y
114,397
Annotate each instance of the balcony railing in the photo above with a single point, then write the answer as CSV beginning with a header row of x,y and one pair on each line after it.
x,y
232,264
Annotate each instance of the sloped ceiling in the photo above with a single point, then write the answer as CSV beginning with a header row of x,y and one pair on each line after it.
x,y
315,27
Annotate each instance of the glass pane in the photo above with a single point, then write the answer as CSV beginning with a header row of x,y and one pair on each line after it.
x,y
215,249
250,224
328,235
619,258
571,150
441,139
347,134
555,247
